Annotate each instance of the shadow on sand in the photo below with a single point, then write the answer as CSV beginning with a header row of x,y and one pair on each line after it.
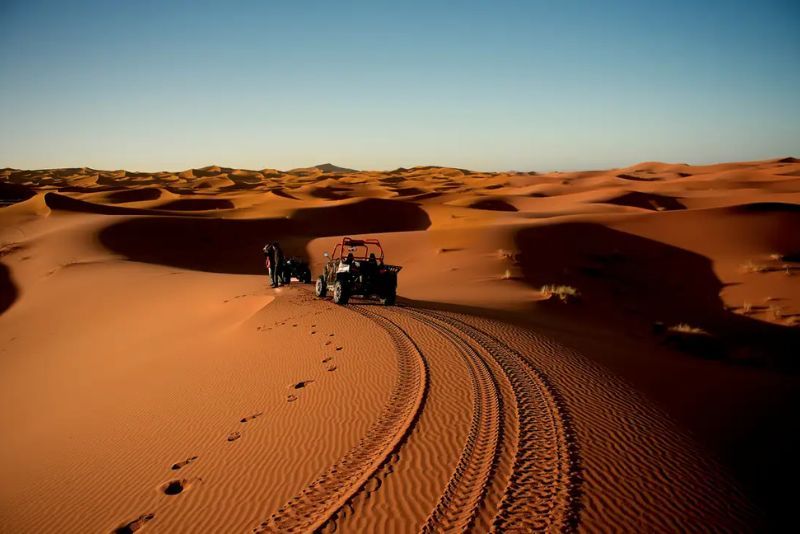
x,y
633,280
8,291
234,245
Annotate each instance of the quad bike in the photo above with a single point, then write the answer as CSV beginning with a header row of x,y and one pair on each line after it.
x,y
295,268
356,268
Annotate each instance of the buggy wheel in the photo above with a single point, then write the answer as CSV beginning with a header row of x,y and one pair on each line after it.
x,y
321,288
306,277
389,298
340,293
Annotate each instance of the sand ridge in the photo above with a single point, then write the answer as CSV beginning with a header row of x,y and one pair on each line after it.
x,y
177,392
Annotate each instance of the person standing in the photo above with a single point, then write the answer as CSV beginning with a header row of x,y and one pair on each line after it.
x,y
268,261
276,262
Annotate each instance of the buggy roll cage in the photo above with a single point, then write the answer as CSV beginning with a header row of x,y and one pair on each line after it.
x,y
368,246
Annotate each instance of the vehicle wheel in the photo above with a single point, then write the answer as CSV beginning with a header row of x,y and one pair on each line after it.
x,y
322,288
340,293
389,299
286,279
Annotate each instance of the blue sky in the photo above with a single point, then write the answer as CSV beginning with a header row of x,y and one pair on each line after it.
x,y
527,85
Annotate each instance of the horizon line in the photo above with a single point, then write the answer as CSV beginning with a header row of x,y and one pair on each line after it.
x,y
350,169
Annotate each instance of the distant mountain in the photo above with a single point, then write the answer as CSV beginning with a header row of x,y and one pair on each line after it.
x,y
325,167
330,167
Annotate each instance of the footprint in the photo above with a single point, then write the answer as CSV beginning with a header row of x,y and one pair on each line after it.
x,y
338,348
250,417
302,384
133,526
291,398
331,368
313,332
173,487
326,360
373,485
330,335
328,342
233,436
184,463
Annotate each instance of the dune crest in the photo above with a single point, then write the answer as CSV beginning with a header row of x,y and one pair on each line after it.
x,y
597,350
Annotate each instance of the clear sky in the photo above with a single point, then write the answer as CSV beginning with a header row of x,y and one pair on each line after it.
x,y
493,85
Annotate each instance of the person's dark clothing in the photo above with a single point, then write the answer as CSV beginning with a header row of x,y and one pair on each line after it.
x,y
276,261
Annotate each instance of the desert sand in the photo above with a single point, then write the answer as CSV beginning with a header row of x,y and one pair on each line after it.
x,y
151,379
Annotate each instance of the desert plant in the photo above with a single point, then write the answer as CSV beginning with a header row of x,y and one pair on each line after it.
x,y
564,293
684,328
747,308
695,340
751,267
776,257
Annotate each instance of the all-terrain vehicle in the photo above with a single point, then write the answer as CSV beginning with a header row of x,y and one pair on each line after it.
x,y
356,268
295,268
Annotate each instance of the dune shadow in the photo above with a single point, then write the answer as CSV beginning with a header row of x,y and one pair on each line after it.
x,y
632,279
62,202
235,245
409,191
330,192
280,192
8,291
133,195
493,204
648,201
197,204
11,193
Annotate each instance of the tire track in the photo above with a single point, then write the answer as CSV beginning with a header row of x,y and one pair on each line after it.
x,y
320,500
543,493
466,489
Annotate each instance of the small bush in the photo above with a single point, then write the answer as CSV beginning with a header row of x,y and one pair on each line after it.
x,y
511,255
684,328
751,267
564,293
694,340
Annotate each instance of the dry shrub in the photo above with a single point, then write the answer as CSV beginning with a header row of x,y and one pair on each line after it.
x,y
692,339
751,267
684,328
564,293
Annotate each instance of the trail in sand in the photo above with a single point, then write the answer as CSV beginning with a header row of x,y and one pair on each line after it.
x,y
157,383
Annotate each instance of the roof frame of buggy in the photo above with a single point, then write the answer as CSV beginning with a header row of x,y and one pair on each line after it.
x,y
368,246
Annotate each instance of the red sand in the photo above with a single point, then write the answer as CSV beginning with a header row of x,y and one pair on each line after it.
x,y
152,380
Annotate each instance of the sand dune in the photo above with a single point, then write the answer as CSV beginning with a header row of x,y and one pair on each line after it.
x,y
158,384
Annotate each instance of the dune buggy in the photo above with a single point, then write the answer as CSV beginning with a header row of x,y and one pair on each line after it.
x,y
295,268
356,268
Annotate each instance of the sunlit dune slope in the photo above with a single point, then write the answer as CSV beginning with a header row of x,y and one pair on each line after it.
x,y
598,350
